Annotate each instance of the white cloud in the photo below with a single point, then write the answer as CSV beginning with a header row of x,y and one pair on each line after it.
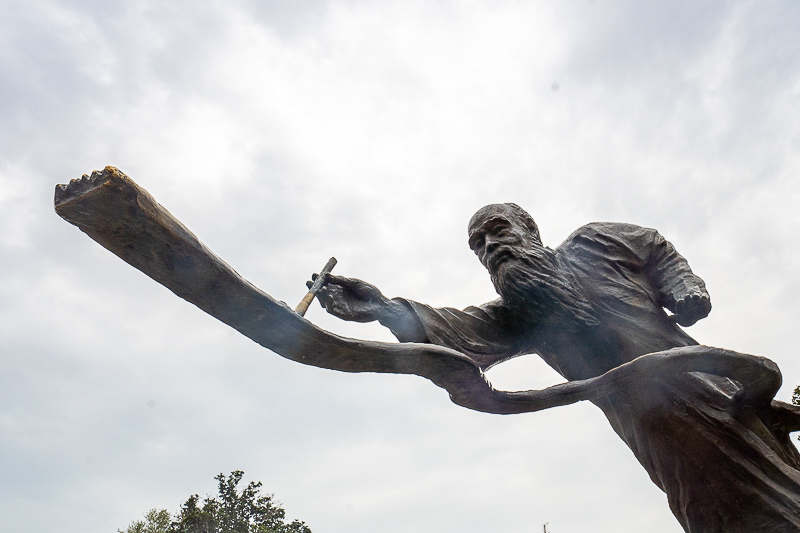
x,y
285,133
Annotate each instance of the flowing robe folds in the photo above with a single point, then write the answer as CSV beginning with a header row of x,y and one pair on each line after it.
x,y
722,467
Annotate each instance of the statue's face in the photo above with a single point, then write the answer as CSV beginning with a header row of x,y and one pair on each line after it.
x,y
496,235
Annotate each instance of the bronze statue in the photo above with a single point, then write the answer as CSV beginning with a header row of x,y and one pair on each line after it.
x,y
701,420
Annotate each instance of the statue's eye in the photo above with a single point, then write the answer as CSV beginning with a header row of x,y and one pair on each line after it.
x,y
501,231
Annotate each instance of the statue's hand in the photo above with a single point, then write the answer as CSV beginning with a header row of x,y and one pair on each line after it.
x,y
691,307
351,299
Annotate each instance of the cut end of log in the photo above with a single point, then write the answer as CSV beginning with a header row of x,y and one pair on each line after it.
x,y
80,187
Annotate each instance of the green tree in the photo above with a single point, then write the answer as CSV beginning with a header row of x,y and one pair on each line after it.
x,y
155,521
231,511
194,519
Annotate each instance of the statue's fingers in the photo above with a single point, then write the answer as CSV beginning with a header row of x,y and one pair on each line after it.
x,y
688,315
358,288
699,305
323,296
680,305
332,307
350,283
706,301
333,293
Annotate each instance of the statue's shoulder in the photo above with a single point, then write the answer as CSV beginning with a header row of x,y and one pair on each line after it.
x,y
606,231
610,240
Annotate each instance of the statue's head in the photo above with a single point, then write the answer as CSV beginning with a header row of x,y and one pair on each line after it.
x,y
497,231
525,273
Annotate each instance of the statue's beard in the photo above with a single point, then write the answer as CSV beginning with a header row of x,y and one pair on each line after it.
x,y
531,283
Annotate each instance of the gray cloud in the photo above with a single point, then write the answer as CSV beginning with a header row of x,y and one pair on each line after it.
x,y
284,133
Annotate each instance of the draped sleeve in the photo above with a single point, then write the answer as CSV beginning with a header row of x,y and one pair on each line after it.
x,y
669,271
484,333
626,261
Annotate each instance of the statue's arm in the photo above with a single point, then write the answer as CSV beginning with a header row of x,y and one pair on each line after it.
x,y
479,332
358,301
483,332
680,290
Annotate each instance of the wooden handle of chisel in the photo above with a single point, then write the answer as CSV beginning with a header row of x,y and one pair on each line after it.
x,y
302,307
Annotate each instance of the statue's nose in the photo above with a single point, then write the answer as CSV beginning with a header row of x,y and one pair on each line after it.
x,y
490,246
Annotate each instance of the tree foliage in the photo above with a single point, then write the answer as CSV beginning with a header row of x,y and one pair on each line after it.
x,y
155,521
231,511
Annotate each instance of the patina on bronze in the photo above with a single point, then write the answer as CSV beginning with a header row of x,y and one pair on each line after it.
x,y
701,420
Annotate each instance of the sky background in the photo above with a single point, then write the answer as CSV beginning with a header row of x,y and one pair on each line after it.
x,y
282,133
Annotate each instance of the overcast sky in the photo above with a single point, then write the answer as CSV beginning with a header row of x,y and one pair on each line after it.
x,y
284,132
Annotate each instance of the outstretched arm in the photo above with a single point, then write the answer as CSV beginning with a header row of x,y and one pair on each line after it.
x,y
480,332
358,301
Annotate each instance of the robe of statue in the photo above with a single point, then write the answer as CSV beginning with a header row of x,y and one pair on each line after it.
x,y
721,466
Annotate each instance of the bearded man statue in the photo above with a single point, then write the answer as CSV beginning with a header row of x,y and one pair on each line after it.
x,y
593,309
596,302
